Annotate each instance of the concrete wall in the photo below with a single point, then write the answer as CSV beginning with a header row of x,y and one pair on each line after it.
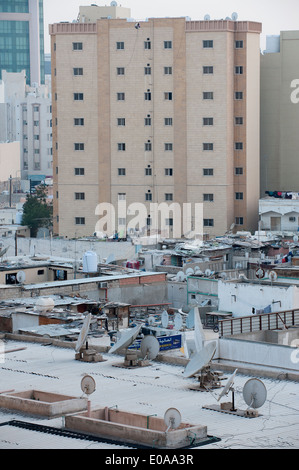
x,y
9,160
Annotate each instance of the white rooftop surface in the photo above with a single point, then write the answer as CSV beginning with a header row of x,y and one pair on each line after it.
x,y
146,390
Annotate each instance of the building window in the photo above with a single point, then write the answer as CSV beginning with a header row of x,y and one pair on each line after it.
x,y
167,44
239,44
36,137
168,171
208,69
121,147
207,146
148,197
168,121
239,221
120,45
78,96
148,172
208,121
147,44
238,171
121,221
147,146
77,46
121,96
239,95
208,171
121,171
168,147
147,70
169,222
121,122
120,70
168,197
238,121
79,171
78,121
239,196
80,220
208,197
147,121
208,95
147,96
207,44
79,146
168,96
40,272
121,196
77,71
208,222
238,145
167,70
79,196
239,70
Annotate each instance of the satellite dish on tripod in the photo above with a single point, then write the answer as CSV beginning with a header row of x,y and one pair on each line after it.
x,y
200,360
229,388
83,333
126,339
172,418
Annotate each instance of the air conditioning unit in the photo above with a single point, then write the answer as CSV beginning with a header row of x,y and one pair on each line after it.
x,y
103,285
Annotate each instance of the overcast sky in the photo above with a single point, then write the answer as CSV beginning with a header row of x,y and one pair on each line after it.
x,y
275,15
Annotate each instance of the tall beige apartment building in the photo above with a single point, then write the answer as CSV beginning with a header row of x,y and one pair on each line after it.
x,y
163,111
280,113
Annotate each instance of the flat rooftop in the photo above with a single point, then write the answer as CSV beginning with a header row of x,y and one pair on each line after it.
x,y
147,390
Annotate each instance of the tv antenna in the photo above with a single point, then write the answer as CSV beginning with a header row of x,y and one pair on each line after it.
x,y
172,419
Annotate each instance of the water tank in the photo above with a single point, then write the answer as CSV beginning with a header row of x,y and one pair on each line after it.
x,y
19,216
90,262
44,304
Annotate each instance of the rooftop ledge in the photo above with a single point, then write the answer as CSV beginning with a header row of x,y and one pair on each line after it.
x,y
191,26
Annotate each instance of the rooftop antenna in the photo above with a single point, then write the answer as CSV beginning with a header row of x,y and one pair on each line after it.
x,y
172,419
127,338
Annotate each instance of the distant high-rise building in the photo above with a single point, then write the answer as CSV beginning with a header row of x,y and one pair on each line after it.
x,y
159,111
22,38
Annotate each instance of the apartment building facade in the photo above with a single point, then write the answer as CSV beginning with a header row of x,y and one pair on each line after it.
x,y
162,111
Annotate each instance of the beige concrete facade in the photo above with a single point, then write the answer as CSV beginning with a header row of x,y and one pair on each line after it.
x,y
160,143
280,114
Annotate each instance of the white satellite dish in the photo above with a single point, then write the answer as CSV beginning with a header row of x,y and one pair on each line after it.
x,y
2,252
190,319
21,276
180,276
178,322
272,276
228,386
200,360
208,272
150,347
254,393
113,4
259,273
88,385
151,320
234,16
83,333
172,418
198,271
126,339
189,272
295,239
199,334
207,17
223,275
165,319
110,259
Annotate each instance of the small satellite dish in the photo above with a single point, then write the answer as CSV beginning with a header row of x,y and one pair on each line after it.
x,y
269,235
223,275
172,418
198,271
149,347
151,320
207,17
88,385
110,259
180,276
83,333
199,334
200,360
234,16
260,273
21,276
189,272
228,385
295,239
165,319
113,4
208,272
254,393
126,339
190,319
178,322
272,276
